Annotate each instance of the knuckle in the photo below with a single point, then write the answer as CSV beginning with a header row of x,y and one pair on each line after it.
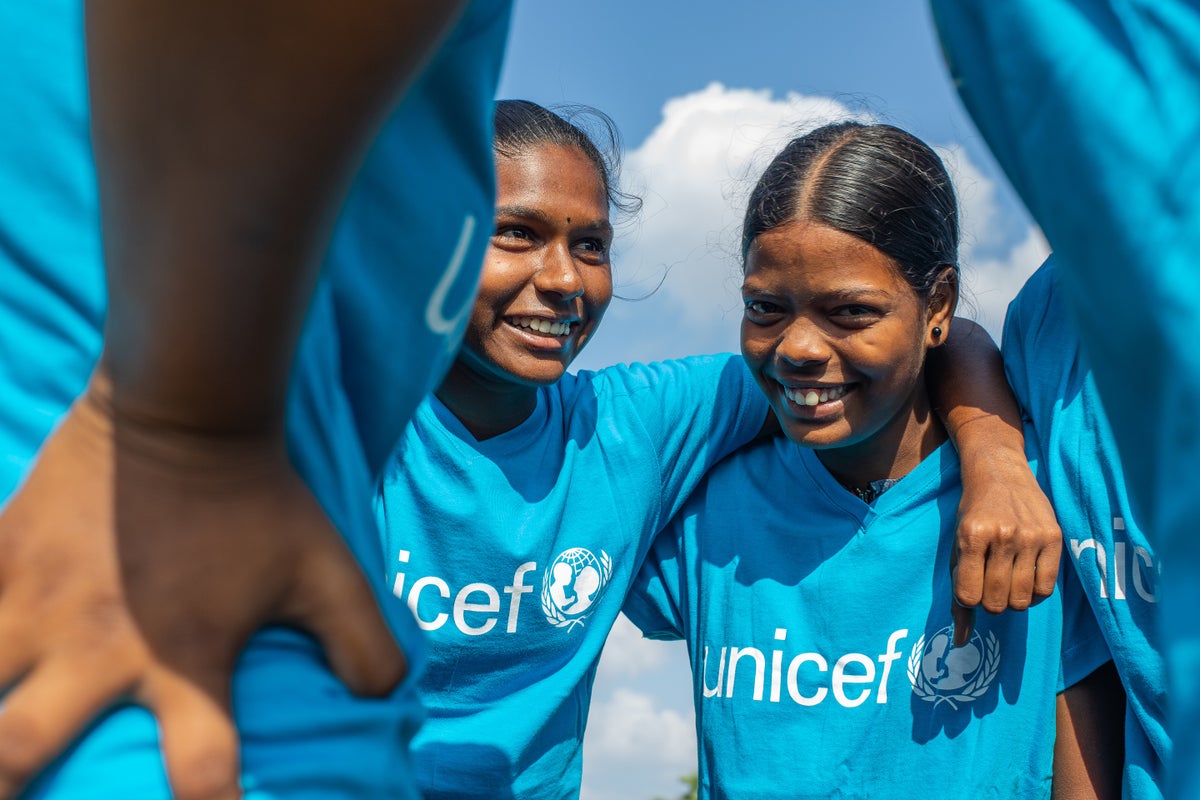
x,y
994,606
968,596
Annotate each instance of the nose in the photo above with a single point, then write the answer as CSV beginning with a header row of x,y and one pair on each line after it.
x,y
803,344
559,274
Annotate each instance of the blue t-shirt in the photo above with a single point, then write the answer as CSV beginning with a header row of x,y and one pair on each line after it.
x,y
1103,539
515,554
819,633
384,322
1091,107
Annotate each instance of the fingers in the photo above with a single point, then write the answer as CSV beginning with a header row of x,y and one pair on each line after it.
x,y
199,740
333,602
42,714
967,562
1046,571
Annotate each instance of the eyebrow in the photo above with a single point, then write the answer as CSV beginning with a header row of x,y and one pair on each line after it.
x,y
527,212
837,295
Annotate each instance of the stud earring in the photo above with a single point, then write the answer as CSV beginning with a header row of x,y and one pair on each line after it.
x,y
937,332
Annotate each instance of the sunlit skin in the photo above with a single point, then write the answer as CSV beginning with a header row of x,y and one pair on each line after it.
x,y
828,315
548,261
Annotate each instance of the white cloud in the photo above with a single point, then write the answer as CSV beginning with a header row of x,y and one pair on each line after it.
x,y
633,729
641,730
989,281
695,172
992,283
627,654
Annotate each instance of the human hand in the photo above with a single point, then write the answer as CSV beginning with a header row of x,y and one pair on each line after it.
x,y
1008,541
153,554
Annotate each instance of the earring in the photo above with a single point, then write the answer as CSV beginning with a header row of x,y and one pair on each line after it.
x,y
937,332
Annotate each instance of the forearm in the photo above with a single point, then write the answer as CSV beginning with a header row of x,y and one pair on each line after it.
x,y
973,398
225,136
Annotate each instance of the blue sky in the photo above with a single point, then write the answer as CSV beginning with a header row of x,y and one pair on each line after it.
x,y
702,92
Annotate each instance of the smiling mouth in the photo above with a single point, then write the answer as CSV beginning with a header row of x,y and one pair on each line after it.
x,y
544,327
815,396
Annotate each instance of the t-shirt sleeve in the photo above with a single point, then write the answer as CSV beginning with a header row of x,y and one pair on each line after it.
x,y
1083,646
654,601
694,411
1037,345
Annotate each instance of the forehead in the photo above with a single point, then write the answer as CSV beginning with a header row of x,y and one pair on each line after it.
x,y
808,256
551,175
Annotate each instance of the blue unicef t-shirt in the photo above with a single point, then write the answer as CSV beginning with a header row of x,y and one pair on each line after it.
x,y
1091,107
385,318
1104,542
515,554
819,633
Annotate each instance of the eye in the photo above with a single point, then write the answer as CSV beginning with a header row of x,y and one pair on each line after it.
x,y
856,315
761,312
513,238
512,232
591,250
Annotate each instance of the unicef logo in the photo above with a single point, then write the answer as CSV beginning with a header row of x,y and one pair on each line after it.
x,y
573,585
941,673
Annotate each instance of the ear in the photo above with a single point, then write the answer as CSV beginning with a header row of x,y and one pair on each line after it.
x,y
943,299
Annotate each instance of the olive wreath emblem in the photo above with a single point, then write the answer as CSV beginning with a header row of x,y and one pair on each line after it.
x,y
971,691
554,614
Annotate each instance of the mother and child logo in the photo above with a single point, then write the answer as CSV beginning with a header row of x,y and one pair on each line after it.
x,y
942,673
572,585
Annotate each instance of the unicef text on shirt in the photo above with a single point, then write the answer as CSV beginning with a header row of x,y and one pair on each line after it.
x,y
1130,564
852,678
474,598
572,587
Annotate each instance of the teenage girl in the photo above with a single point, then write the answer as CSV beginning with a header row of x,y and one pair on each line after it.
x,y
850,279
522,498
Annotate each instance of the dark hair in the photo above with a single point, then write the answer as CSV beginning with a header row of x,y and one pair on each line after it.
x,y
873,181
521,125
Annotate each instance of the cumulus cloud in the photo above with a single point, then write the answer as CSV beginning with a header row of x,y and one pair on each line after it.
x,y
695,171
634,729
642,728
993,270
633,741
627,654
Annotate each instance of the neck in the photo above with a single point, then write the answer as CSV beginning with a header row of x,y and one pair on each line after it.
x,y
486,407
892,452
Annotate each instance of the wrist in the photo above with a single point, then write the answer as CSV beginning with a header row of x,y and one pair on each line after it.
x,y
162,439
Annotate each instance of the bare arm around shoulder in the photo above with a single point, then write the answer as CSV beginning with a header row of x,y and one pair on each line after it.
x,y
1089,748
162,522
1008,542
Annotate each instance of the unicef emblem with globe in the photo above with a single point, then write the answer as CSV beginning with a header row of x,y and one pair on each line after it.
x,y
942,673
572,585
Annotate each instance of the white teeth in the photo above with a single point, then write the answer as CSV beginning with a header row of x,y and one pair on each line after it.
x,y
543,326
812,397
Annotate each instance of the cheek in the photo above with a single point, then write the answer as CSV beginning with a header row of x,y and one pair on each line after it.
x,y
598,289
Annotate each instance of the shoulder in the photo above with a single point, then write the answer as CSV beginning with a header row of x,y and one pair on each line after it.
x,y
1037,311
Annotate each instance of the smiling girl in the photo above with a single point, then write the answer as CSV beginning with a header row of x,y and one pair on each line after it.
x,y
850,250
523,498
